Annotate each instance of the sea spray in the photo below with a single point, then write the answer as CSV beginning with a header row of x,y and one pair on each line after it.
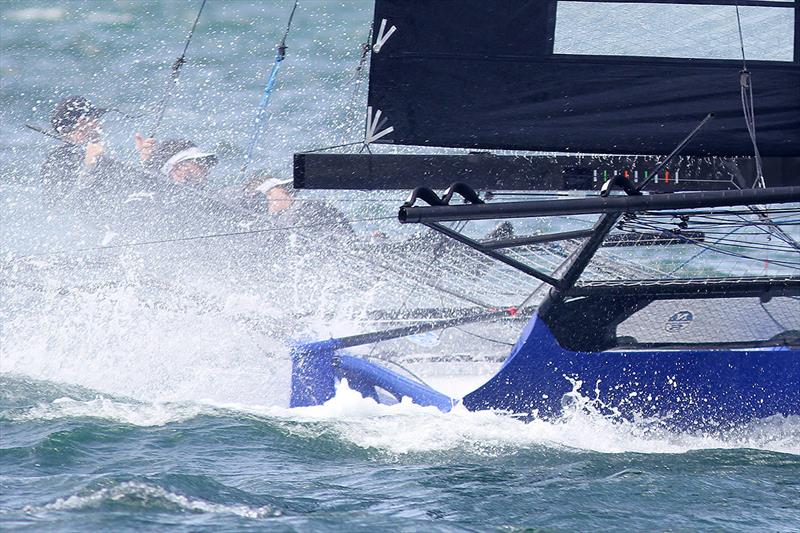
x,y
181,422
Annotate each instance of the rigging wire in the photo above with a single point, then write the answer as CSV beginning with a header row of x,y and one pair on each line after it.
x,y
326,148
664,227
742,244
258,123
714,214
173,79
462,330
765,221
771,317
723,237
680,236
358,77
190,238
436,256
748,106
746,89
774,230
401,367
497,341
366,47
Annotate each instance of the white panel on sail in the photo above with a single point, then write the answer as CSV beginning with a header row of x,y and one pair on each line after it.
x,y
674,30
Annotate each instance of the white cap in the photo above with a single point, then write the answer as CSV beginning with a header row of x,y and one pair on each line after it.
x,y
271,183
184,155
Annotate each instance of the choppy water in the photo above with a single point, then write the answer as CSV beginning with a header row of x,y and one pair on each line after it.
x,y
145,389
72,460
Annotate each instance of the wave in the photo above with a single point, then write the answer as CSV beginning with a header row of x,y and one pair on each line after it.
x,y
148,496
406,428
122,412
37,14
52,14
101,17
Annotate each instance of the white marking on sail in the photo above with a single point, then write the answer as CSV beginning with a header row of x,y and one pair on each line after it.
x,y
373,123
380,134
381,39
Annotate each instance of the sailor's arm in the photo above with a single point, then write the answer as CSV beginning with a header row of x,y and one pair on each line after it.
x,y
144,147
93,153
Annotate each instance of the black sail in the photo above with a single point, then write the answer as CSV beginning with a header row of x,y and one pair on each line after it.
x,y
545,75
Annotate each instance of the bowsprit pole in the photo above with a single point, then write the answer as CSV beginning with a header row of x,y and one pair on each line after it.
x,y
280,55
173,79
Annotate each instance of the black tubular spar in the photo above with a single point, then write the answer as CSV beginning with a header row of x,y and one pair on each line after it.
x,y
581,260
588,206
491,253
536,239
379,336
691,288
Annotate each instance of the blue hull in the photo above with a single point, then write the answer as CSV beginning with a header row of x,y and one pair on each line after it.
x,y
682,388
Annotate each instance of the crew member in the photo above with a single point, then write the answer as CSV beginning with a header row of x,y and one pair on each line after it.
x,y
79,164
286,211
180,160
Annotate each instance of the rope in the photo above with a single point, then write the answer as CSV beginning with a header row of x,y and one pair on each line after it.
x,y
741,39
772,317
695,242
488,339
280,55
173,79
326,148
358,77
190,238
748,107
436,253
401,367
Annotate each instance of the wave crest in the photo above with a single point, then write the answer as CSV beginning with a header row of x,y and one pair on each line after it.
x,y
37,14
137,494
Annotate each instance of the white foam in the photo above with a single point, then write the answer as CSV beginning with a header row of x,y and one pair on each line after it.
x,y
193,343
151,494
102,17
37,14
408,428
133,413
158,347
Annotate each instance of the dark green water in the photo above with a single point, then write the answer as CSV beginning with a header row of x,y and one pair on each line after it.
x,y
179,420
92,463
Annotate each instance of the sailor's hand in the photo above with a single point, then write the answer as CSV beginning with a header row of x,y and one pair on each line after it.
x,y
93,153
144,147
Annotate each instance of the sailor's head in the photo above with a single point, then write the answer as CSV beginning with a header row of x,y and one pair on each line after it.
x,y
76,118
182,161
278,192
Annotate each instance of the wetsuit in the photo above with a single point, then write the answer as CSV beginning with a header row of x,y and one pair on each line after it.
x,y
313,217
65,179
